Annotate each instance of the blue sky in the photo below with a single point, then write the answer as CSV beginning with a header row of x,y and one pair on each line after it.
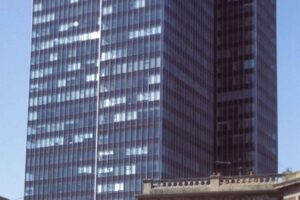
x,y
15,23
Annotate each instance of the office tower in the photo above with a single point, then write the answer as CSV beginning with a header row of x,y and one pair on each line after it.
x,y
246,90
120,91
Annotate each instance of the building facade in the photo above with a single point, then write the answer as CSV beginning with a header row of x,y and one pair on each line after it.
x,y
127,90
120,91
268,187
246,87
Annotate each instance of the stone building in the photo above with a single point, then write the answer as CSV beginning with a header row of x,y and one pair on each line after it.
x,y
270,187
290,188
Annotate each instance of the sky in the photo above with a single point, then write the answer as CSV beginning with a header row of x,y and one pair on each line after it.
x,y
15,30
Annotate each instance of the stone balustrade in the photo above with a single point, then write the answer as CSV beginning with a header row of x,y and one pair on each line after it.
x,y
214,182
181,182
268,179
216,186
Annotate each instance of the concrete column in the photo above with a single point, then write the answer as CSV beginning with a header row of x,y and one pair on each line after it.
x,y
147,186
214,182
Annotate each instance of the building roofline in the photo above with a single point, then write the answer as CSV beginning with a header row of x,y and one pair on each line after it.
x,y
211,194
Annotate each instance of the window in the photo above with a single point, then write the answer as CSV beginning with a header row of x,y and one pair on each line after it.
x,y
110,187
91,77
136,151
107,10
29,176
113,54
130,169
67,40
81,137
99,188
89,36
138,4
153,79
32,116
131,115
29,191
248,64
144,32
37,7
61,83
149,96
119,187
46,142
65,27
44,18
53,57
85,170
74,67
118,117
105,170
103,154
112,102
